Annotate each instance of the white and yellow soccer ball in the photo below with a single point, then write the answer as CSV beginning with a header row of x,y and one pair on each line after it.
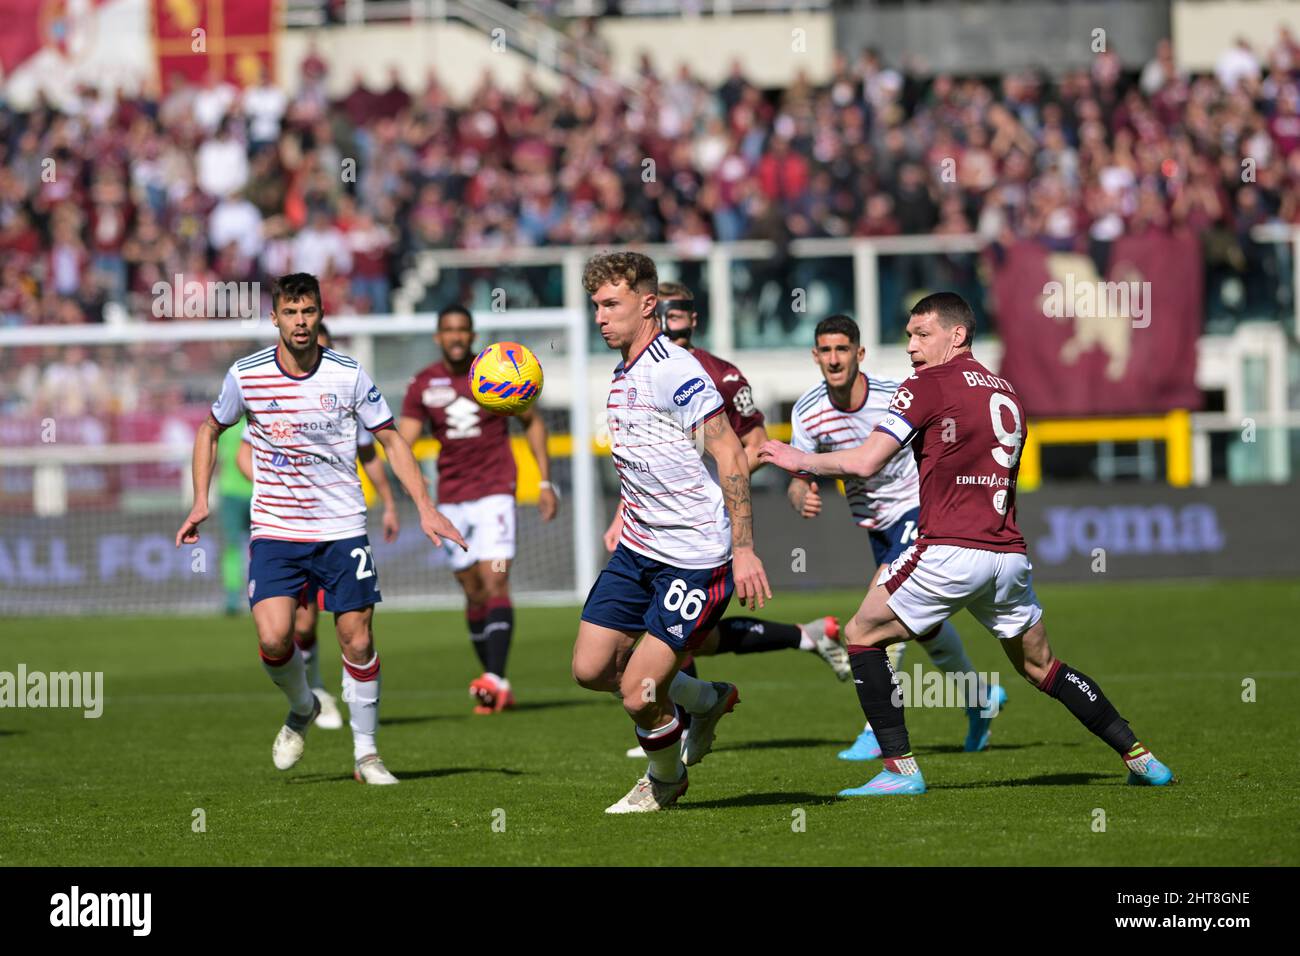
x,y
505,378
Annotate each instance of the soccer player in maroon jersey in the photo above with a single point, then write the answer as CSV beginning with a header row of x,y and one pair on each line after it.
x,y
966,427
476,490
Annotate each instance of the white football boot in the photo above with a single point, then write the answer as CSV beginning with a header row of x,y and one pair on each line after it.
x,y
825,632
371,769
330,717
705,725
290,742
649,795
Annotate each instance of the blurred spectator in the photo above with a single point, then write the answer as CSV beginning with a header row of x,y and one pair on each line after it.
x,y
222,163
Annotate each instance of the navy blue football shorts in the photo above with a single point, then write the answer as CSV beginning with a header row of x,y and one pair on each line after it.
x,y
677,605
339,575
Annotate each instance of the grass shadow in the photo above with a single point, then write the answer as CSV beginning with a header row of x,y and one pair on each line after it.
x,y
1042,780
409,774
758,800
421,719
786,743
991,748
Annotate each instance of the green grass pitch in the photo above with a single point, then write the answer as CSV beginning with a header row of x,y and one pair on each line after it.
x,y
189,718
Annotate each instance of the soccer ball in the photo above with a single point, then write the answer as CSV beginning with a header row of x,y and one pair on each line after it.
x,y
505,378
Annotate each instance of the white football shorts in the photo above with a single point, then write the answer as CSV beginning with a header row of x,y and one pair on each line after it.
x,y
928,584
488,525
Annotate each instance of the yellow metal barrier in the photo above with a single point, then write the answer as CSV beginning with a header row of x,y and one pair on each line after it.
x,y
1174,429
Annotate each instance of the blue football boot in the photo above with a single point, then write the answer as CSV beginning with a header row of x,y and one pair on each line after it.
x,y
887,783
866,747
980,726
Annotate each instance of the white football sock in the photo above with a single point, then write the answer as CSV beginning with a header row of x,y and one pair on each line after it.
x,y
362,698
695,695
665,764
806,643
949,655
291,677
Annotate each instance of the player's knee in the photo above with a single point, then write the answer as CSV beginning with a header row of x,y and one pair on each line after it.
x,y
592,677
274,644
640,702
861,633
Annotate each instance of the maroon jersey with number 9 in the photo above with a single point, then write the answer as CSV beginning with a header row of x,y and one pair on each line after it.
x,y
967,428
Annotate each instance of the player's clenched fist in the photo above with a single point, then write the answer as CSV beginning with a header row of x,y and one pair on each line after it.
x,y
435,524
780,454
189,533
751,580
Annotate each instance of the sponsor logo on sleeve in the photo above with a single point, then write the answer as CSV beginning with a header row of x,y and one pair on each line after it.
x,y
373,395
683,395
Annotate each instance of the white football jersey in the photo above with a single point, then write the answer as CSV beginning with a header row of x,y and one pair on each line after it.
x,y
672,510
818,426
304,437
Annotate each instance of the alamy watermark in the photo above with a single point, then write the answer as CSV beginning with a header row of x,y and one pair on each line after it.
x,y
1097,299
179,299
82,690
922,688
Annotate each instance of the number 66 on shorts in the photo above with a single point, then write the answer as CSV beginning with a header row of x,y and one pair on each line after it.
x,y
677,605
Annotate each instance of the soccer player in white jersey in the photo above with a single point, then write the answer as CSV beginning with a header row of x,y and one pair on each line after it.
x,y
687,542
306,615
841,412
308,515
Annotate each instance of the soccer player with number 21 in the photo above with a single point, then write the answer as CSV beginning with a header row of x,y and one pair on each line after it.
x,y
966,427
303,403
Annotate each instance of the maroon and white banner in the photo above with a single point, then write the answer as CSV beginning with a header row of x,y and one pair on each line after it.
x,y
1080,343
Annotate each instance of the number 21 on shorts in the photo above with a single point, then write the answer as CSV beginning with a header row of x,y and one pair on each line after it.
x,y
365,562
679,600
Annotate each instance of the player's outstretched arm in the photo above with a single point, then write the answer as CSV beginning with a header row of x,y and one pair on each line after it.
x,y
432,522
753,441
205,454
804,497
548,502
862,461
378,476
733,476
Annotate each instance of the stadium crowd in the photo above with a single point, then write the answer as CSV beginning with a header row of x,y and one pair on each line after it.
x,y
104,198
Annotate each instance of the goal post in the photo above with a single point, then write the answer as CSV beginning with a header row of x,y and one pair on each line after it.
x,y
95,476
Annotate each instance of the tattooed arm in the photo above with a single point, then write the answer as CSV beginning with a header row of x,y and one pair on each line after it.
x,y
724,447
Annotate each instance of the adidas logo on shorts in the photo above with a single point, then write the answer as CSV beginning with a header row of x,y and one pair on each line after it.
x,y
675,630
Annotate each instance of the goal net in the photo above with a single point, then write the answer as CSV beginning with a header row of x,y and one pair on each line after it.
x,y
98,427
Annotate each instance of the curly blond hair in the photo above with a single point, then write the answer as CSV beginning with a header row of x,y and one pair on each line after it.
x,y
636,270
